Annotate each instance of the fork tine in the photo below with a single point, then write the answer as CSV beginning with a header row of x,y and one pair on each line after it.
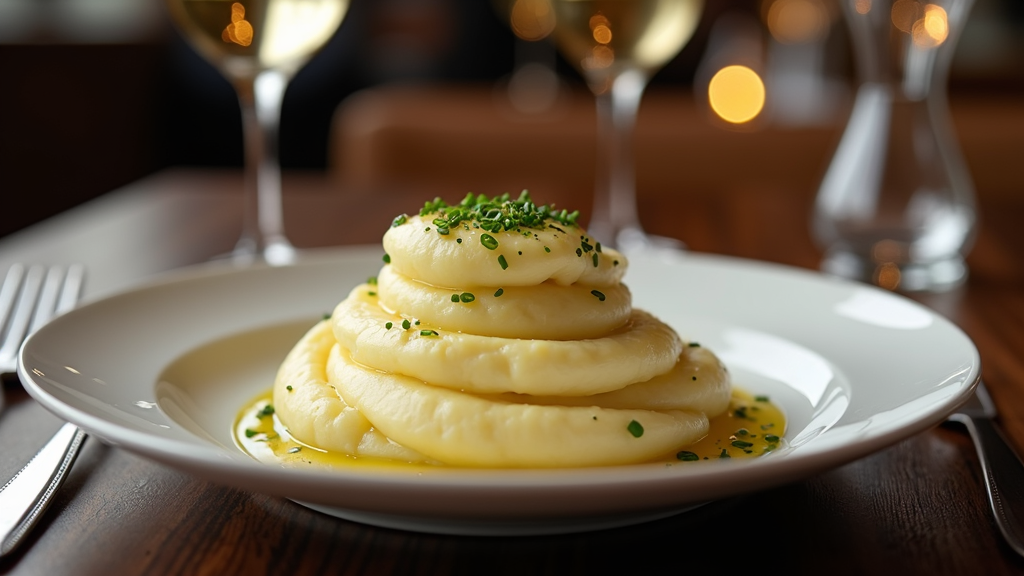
x,y
72,289
12,282
22,313
47,300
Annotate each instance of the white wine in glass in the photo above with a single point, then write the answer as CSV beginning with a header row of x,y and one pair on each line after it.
x,y
617,45
259,45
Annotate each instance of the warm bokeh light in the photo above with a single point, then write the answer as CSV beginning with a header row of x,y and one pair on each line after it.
x,y
862,6
532,20
888,276
602,34
887,251
240,30
797,21
600,56
599,20
904,14
736,94
932,29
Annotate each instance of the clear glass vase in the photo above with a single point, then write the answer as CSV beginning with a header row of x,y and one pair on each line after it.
x,y
896,205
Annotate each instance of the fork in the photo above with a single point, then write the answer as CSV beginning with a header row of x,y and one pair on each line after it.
x,y
30,298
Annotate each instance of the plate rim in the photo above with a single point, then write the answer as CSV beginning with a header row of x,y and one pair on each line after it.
x,y
767,472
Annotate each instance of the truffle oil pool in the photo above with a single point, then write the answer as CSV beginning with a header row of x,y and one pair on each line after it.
x,y
751,427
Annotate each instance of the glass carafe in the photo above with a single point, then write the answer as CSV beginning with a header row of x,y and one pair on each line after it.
x,y
896,205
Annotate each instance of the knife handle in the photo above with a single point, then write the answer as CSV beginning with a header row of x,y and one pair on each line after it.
x,y
24,498
1004,477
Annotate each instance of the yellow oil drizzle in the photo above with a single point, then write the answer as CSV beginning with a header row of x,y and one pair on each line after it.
x,y
752,426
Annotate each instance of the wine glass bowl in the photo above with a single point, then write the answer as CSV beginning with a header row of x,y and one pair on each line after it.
x,y
617,45
259,45
604,39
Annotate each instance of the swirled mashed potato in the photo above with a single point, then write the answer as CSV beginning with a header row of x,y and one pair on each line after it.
x,y
498,334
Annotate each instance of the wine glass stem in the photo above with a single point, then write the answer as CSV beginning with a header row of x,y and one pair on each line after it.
x,y
263,220
615,210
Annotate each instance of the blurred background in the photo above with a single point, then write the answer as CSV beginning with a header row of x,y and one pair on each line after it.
x,y
97,93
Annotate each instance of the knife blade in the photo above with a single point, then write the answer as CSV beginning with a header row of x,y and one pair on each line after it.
x,y
1001,466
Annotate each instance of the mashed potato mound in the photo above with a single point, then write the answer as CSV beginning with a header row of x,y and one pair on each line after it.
x,y
498,334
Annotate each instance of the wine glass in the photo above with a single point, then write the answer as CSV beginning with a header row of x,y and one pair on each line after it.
x,y
259,45
617,45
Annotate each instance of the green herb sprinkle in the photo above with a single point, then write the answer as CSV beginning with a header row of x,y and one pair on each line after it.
x,y
635,429
488,241
687,456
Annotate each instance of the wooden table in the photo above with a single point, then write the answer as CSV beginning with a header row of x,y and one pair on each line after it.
x,y
914,508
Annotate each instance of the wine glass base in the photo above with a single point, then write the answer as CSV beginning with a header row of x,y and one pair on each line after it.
x,y
279,253
933,276
632,240
276,252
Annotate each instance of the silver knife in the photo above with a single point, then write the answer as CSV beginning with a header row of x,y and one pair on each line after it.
x,y
1002,467
25,497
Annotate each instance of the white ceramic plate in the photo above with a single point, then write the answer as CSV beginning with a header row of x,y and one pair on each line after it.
x,y
163,370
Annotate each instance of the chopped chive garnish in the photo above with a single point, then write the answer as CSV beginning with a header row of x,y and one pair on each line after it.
x,y
443,231
502,262
455,297
615,262
289,388
371,293
398,221
694,344
741,444
687,456
771,438
266,411
388,325
595,259
250,433
372,280
386,258
546,249
600,295
488,241
406,324
761,398
579,252
326,316
459,240
499,292
467,297
428,333
724,454
597,247
635,429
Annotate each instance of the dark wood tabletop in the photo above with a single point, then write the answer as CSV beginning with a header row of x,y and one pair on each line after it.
x,y
917,507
